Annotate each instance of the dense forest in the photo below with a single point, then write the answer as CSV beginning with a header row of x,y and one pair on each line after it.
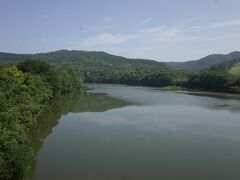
x,y
219,81
101,67
24,90
224,77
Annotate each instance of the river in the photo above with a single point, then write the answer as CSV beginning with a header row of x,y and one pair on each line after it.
x,y
116,132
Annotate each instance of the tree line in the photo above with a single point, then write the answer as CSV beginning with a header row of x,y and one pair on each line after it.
x,y
133,73
220,81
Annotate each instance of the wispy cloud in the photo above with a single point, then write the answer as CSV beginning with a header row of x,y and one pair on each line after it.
x,y
146,21
159,34
107,20
228,23
153,29
144,41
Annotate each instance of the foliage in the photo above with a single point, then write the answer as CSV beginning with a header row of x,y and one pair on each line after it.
x,y
101,67
62,79
24,90
212,80
235,70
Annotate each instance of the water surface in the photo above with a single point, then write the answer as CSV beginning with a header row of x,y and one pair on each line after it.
x,y
115,132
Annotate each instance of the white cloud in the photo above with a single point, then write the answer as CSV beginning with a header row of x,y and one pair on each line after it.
x,y
152,29
228,23
145,36
146,21
107,20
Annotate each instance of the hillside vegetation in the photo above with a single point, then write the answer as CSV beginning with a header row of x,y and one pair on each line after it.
x,y
224,77
212,73
206,62
235,70
101,67
83,56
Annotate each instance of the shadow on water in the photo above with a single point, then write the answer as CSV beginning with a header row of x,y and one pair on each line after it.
x,y
225,101
143,96
81,101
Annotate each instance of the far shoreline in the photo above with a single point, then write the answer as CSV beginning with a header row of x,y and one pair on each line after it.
x,y
182,90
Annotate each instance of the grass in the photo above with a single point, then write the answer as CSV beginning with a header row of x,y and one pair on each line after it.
x,y
235,70
173,88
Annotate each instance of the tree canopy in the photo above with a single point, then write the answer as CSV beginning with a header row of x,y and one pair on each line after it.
x,y
24,90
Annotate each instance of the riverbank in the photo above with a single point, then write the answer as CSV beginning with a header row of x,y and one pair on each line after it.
x,y
183,90
212,94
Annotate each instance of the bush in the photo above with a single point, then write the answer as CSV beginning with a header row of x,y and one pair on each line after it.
x,y
219,81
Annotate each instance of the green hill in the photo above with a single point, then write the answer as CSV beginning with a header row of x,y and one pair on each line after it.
x,y
93,57
73,56
102,67
206,62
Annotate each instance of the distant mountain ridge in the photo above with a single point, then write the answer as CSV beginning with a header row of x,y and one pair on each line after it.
x,y
75,55
70,55
206,62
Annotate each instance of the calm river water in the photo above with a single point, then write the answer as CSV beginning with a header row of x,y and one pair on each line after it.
x,y
114,132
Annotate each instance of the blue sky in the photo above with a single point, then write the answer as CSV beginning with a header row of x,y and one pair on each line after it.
x,y
163,30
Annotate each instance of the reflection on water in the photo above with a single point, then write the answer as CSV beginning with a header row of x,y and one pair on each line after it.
x,y
120,132
61,106
152,96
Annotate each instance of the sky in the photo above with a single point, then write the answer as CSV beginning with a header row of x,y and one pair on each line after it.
x,y
162,30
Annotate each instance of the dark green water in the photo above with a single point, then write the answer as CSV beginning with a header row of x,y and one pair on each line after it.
x,y
135,133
